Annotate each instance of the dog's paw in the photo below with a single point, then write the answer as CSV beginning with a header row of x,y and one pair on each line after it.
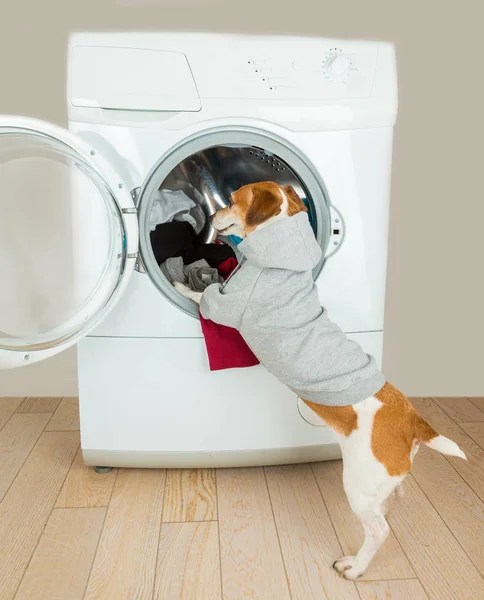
x,y
182,288
347,568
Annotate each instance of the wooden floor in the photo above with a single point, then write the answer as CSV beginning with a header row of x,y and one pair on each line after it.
x,y
67,533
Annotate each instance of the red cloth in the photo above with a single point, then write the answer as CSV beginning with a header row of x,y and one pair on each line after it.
x,y
226,348
225,269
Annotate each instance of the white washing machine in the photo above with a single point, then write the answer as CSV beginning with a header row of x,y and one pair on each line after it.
x,y
151,110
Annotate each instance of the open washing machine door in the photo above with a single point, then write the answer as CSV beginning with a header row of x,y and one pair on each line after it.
x,y
68,239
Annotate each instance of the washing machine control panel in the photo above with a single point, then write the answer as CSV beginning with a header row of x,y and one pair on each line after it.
x,y
335,74
303,69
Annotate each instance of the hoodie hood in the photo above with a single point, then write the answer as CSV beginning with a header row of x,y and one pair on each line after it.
x,y
288,244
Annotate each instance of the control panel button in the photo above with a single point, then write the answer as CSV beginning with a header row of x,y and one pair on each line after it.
x,y
337,66
269,64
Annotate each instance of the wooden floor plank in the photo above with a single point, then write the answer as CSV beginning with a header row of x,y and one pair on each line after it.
x,y
461,509
188,566
308,541
479,402
190,495
125,563
7,407
390,562
440,563
460,409
471,470
60,566
84,487
432,413
66,416
409,589
48,405
28,503
251,561
475,431
17,439
439,524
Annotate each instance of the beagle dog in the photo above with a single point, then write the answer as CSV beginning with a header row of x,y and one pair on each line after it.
x,y
380,435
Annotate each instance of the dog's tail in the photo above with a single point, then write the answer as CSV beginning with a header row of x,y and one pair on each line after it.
x,y
428,436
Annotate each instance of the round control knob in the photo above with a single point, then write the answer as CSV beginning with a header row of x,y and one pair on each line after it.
x,y
337,66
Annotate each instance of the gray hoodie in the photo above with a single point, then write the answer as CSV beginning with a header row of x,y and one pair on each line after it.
x,y
273,301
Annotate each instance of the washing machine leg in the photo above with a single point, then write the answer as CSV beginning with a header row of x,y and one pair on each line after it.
x,y
102,470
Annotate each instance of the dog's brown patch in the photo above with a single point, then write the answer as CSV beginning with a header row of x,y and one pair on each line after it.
x,y
423,431
265,203
343,419
294,203
397,428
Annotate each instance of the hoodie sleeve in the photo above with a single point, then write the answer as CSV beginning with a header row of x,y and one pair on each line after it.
x,y
223,306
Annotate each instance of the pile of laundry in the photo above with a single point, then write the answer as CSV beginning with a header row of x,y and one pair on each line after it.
x,y
176,222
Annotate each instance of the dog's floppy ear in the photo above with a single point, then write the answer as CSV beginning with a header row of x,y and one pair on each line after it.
x,y
294,203
264,205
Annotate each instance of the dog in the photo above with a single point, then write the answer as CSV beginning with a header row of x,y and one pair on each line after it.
x,y
380,433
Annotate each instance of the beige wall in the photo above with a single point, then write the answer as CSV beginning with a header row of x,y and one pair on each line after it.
x,y
435,293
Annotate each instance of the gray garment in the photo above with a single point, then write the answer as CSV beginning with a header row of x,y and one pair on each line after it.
x,y
199,275
273,301
197,211
172,269
197,218
167,205
186,216
175,205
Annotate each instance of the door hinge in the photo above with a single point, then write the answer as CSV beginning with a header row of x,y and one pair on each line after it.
x,y
133,210
135,195
139,265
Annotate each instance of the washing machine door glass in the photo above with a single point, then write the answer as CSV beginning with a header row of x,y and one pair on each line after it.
x,y
68,239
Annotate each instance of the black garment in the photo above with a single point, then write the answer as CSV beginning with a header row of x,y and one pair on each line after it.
x,y
178,238
214,254
173,239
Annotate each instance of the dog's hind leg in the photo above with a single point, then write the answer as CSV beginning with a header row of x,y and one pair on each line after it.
x,y
393,498
370,511
370,491
376,532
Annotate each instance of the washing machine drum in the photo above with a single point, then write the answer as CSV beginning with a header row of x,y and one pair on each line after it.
x,y
209,167
217,172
